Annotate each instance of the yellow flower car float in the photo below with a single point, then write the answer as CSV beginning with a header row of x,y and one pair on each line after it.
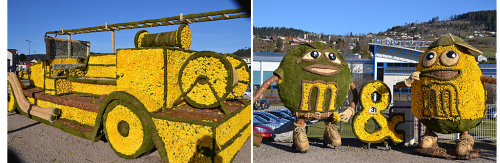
x,y
178,104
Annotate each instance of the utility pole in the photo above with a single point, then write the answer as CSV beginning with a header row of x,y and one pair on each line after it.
x,y
29,52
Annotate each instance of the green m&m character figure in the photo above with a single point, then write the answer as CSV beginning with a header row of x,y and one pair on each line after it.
x,y
313,81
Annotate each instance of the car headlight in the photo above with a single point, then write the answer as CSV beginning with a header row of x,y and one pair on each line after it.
x,y
260,129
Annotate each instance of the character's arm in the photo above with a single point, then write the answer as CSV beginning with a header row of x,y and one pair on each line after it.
x,y
487,79
407,82
346,115
263,87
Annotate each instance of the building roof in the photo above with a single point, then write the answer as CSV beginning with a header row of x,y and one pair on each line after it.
x,y
13,51
268,59
268,54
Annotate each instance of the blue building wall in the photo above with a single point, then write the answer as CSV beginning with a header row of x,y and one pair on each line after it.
x,y
266,75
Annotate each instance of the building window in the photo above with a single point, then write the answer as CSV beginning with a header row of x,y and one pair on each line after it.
x,y
399,71
401,94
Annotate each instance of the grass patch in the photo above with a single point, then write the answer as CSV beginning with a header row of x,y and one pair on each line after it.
x,y
488,51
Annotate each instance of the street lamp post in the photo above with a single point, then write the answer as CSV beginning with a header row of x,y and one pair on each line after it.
x,y
29,52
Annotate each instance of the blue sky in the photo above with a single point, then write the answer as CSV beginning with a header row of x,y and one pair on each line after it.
x,y
30,19
359,16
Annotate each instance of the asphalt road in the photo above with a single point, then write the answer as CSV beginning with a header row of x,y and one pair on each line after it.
x,y
33,141
350,151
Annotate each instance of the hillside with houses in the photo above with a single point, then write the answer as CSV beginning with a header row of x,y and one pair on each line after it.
x,y
477,28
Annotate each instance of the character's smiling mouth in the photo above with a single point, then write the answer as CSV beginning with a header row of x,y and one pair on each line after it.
x,y
323,70
442,74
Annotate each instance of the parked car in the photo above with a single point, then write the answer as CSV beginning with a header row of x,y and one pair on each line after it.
x,y
263,130
256,107
257,120
268,115
281,114
261,104
292,118
286,111
491,113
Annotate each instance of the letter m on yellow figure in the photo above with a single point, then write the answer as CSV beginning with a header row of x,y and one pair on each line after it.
x,y
440,100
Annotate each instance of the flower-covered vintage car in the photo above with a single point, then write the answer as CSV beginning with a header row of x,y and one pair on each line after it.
x,y
186,104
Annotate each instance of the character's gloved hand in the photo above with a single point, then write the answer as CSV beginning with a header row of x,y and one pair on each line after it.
x,y
346,115
414,76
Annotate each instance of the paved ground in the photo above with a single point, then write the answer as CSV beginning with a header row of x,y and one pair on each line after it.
x,y
33,141
351,151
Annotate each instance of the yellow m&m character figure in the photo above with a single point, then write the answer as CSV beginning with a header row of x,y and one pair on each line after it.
x,y
448,95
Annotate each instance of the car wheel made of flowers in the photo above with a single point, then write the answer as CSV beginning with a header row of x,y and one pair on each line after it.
x,y
125,126
206,79
243,76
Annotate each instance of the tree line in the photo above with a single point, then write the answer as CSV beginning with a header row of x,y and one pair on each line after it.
x,y
461,25
486,18
278,31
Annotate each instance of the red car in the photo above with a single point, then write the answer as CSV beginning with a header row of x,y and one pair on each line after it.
x,y
263,130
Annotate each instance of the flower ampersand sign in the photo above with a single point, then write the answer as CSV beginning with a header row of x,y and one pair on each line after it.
x,y
375,97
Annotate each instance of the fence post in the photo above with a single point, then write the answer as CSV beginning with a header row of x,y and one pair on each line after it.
x,y
341,126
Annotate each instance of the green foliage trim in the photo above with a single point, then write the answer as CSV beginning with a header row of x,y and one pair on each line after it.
x,y
93,81
219,98
447,126
132,103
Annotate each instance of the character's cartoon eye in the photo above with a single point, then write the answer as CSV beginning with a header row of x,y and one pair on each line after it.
x,y
429,59
332,57
313,55
449,58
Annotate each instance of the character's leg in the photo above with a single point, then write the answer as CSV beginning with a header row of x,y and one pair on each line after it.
x,y
331,135
464,144
299,135
428,139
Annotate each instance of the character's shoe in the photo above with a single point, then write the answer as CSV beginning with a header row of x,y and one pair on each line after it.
x,y
300,138
428,139
331,135
464,145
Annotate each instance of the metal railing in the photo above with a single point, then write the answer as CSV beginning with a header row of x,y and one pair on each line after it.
x,y
403,43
